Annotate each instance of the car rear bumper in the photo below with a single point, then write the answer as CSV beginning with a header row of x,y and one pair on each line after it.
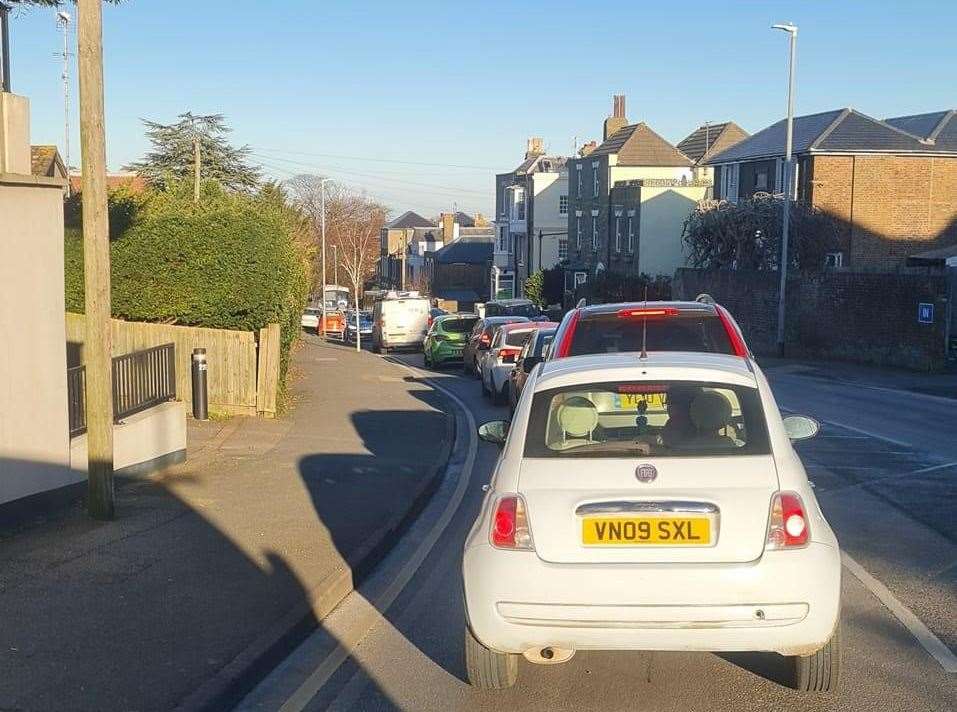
x,y
500,374
786,602
448,351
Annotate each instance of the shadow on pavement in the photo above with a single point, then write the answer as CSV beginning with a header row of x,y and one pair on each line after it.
x,y
143,612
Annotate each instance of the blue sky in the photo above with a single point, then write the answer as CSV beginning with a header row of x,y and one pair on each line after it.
x,y
367,91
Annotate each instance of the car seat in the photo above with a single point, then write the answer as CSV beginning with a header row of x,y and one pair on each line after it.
x,y
710,412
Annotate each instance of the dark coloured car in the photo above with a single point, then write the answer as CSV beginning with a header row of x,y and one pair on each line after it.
x,y
481,338
653,326
512,307
532,354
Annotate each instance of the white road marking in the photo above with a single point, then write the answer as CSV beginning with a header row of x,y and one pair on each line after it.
x,y
311,686
928,641
859,431
931,468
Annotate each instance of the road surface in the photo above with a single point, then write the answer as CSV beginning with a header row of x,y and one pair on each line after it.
x,y
884,469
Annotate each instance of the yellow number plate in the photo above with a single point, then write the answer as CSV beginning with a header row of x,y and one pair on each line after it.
x,y
630,401
672,531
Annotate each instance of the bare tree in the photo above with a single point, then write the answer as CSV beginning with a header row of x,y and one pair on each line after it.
x,y
353,222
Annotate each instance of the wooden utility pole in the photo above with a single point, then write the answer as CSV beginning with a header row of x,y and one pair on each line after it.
x,y
197,168
96,262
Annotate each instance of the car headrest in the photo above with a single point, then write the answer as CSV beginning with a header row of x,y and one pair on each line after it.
x,y
578,416
710,410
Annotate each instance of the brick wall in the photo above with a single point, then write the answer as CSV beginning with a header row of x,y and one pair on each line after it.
x,y
861,317
893,206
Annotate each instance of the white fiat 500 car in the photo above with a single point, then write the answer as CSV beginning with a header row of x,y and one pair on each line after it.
x,y
650,503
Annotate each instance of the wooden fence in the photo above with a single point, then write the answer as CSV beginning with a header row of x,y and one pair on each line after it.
x,y
243,378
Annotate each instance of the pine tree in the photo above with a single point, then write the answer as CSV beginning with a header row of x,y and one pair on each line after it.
x,y
173,153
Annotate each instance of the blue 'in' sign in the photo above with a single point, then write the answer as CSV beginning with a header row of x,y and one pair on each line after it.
x,y
925,313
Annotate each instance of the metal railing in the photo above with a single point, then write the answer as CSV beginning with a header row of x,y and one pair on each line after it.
x,y
141,380
76,399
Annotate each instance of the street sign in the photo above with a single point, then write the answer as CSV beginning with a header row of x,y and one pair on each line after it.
x,y
925,313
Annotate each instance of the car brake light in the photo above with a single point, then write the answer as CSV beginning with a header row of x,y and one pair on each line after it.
x,y
565,345
647,312
507,355
643,388
485,338
734,334
787,527
510,524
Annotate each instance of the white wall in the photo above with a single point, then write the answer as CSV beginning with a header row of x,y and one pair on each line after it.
x,y
663,212
548,189
635,172
34,437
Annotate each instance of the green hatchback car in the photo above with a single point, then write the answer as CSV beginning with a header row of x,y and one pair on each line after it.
x,y
446,338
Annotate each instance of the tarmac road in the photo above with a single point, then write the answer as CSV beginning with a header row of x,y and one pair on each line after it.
x,y
397,643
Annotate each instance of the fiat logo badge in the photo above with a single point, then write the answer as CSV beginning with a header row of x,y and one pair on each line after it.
x,y
646,473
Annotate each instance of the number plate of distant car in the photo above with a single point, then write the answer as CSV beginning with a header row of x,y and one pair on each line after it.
x,y
630,401
628,531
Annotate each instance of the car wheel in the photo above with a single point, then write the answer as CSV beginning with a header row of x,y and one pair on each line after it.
x,y
820,671
487,669
485,391
475,369
428,361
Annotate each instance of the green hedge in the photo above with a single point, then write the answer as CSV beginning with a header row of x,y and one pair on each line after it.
x,y
230,262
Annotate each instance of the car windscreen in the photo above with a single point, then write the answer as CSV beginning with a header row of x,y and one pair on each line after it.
x,y
458,326
528,310
647,419
609,333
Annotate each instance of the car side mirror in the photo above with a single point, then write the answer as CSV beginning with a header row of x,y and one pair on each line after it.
x,y
494,431
530,362
801,427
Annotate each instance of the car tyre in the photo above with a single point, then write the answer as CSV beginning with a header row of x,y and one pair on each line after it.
x,y
819,671
485,391
487,669
428,361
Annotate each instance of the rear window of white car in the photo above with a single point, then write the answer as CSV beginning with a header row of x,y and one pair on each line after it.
x,y
635,419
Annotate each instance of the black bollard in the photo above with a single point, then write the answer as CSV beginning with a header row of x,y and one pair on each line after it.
x,y
200,401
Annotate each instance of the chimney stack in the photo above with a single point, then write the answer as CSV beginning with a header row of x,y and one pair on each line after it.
x,y
448,227
534,147
617,119
587,148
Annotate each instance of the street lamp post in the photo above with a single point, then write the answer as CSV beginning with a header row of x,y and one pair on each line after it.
x,y
322,229
792,31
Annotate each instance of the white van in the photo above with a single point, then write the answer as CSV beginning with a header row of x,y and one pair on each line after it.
x,y
399,321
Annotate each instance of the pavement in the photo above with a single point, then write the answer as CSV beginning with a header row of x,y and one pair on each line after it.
x,y
214,570
396,642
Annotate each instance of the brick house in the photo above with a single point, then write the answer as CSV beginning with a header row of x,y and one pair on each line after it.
x,y
394,240
891,183
458,273
628,199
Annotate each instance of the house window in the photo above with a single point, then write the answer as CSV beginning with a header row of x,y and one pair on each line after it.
x,y
578,167
562,249
594,233
834,260
618,232
563,205
761,180
578,232
519,204
631,233
594,178
502,239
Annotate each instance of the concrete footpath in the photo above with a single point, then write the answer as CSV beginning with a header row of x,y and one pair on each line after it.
x,y
214,569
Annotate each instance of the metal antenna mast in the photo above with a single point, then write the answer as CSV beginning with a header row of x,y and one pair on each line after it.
x,y
63,20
